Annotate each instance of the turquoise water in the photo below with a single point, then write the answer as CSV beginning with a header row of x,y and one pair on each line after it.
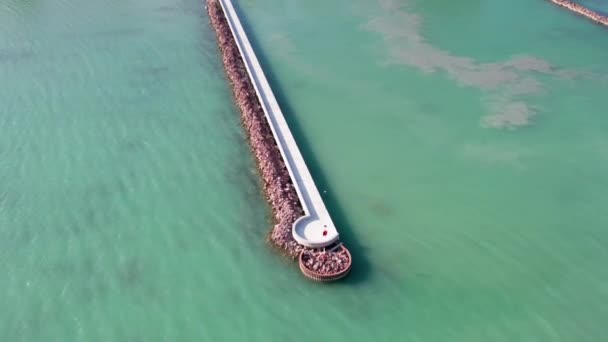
x,y
463,149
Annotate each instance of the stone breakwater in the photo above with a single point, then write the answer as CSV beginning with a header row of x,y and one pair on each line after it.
x,y
584,11
326,262
278,187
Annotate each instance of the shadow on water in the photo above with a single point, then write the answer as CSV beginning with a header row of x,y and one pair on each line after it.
x,y
361,266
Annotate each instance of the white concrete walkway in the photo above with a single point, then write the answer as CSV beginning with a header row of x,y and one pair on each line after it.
x,y
314,229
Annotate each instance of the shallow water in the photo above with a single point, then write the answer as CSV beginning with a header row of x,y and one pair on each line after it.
x,y
464,159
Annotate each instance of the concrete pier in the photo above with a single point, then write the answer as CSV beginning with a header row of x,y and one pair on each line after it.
x,y
315,229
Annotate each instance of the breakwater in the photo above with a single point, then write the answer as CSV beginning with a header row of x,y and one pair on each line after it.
x,y
582,10
278,186
302,223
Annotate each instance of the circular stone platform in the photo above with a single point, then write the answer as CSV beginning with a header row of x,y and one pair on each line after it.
x,y
325,277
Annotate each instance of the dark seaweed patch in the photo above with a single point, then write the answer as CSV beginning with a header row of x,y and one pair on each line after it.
x,y
130,272
381,208
115,33
13,56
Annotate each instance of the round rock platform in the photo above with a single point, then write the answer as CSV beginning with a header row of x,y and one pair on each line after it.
x,y
326,266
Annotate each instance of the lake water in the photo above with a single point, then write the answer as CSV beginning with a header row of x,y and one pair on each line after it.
x,y
463,148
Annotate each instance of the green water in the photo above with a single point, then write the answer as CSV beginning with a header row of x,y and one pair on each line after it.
x,y
463,148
